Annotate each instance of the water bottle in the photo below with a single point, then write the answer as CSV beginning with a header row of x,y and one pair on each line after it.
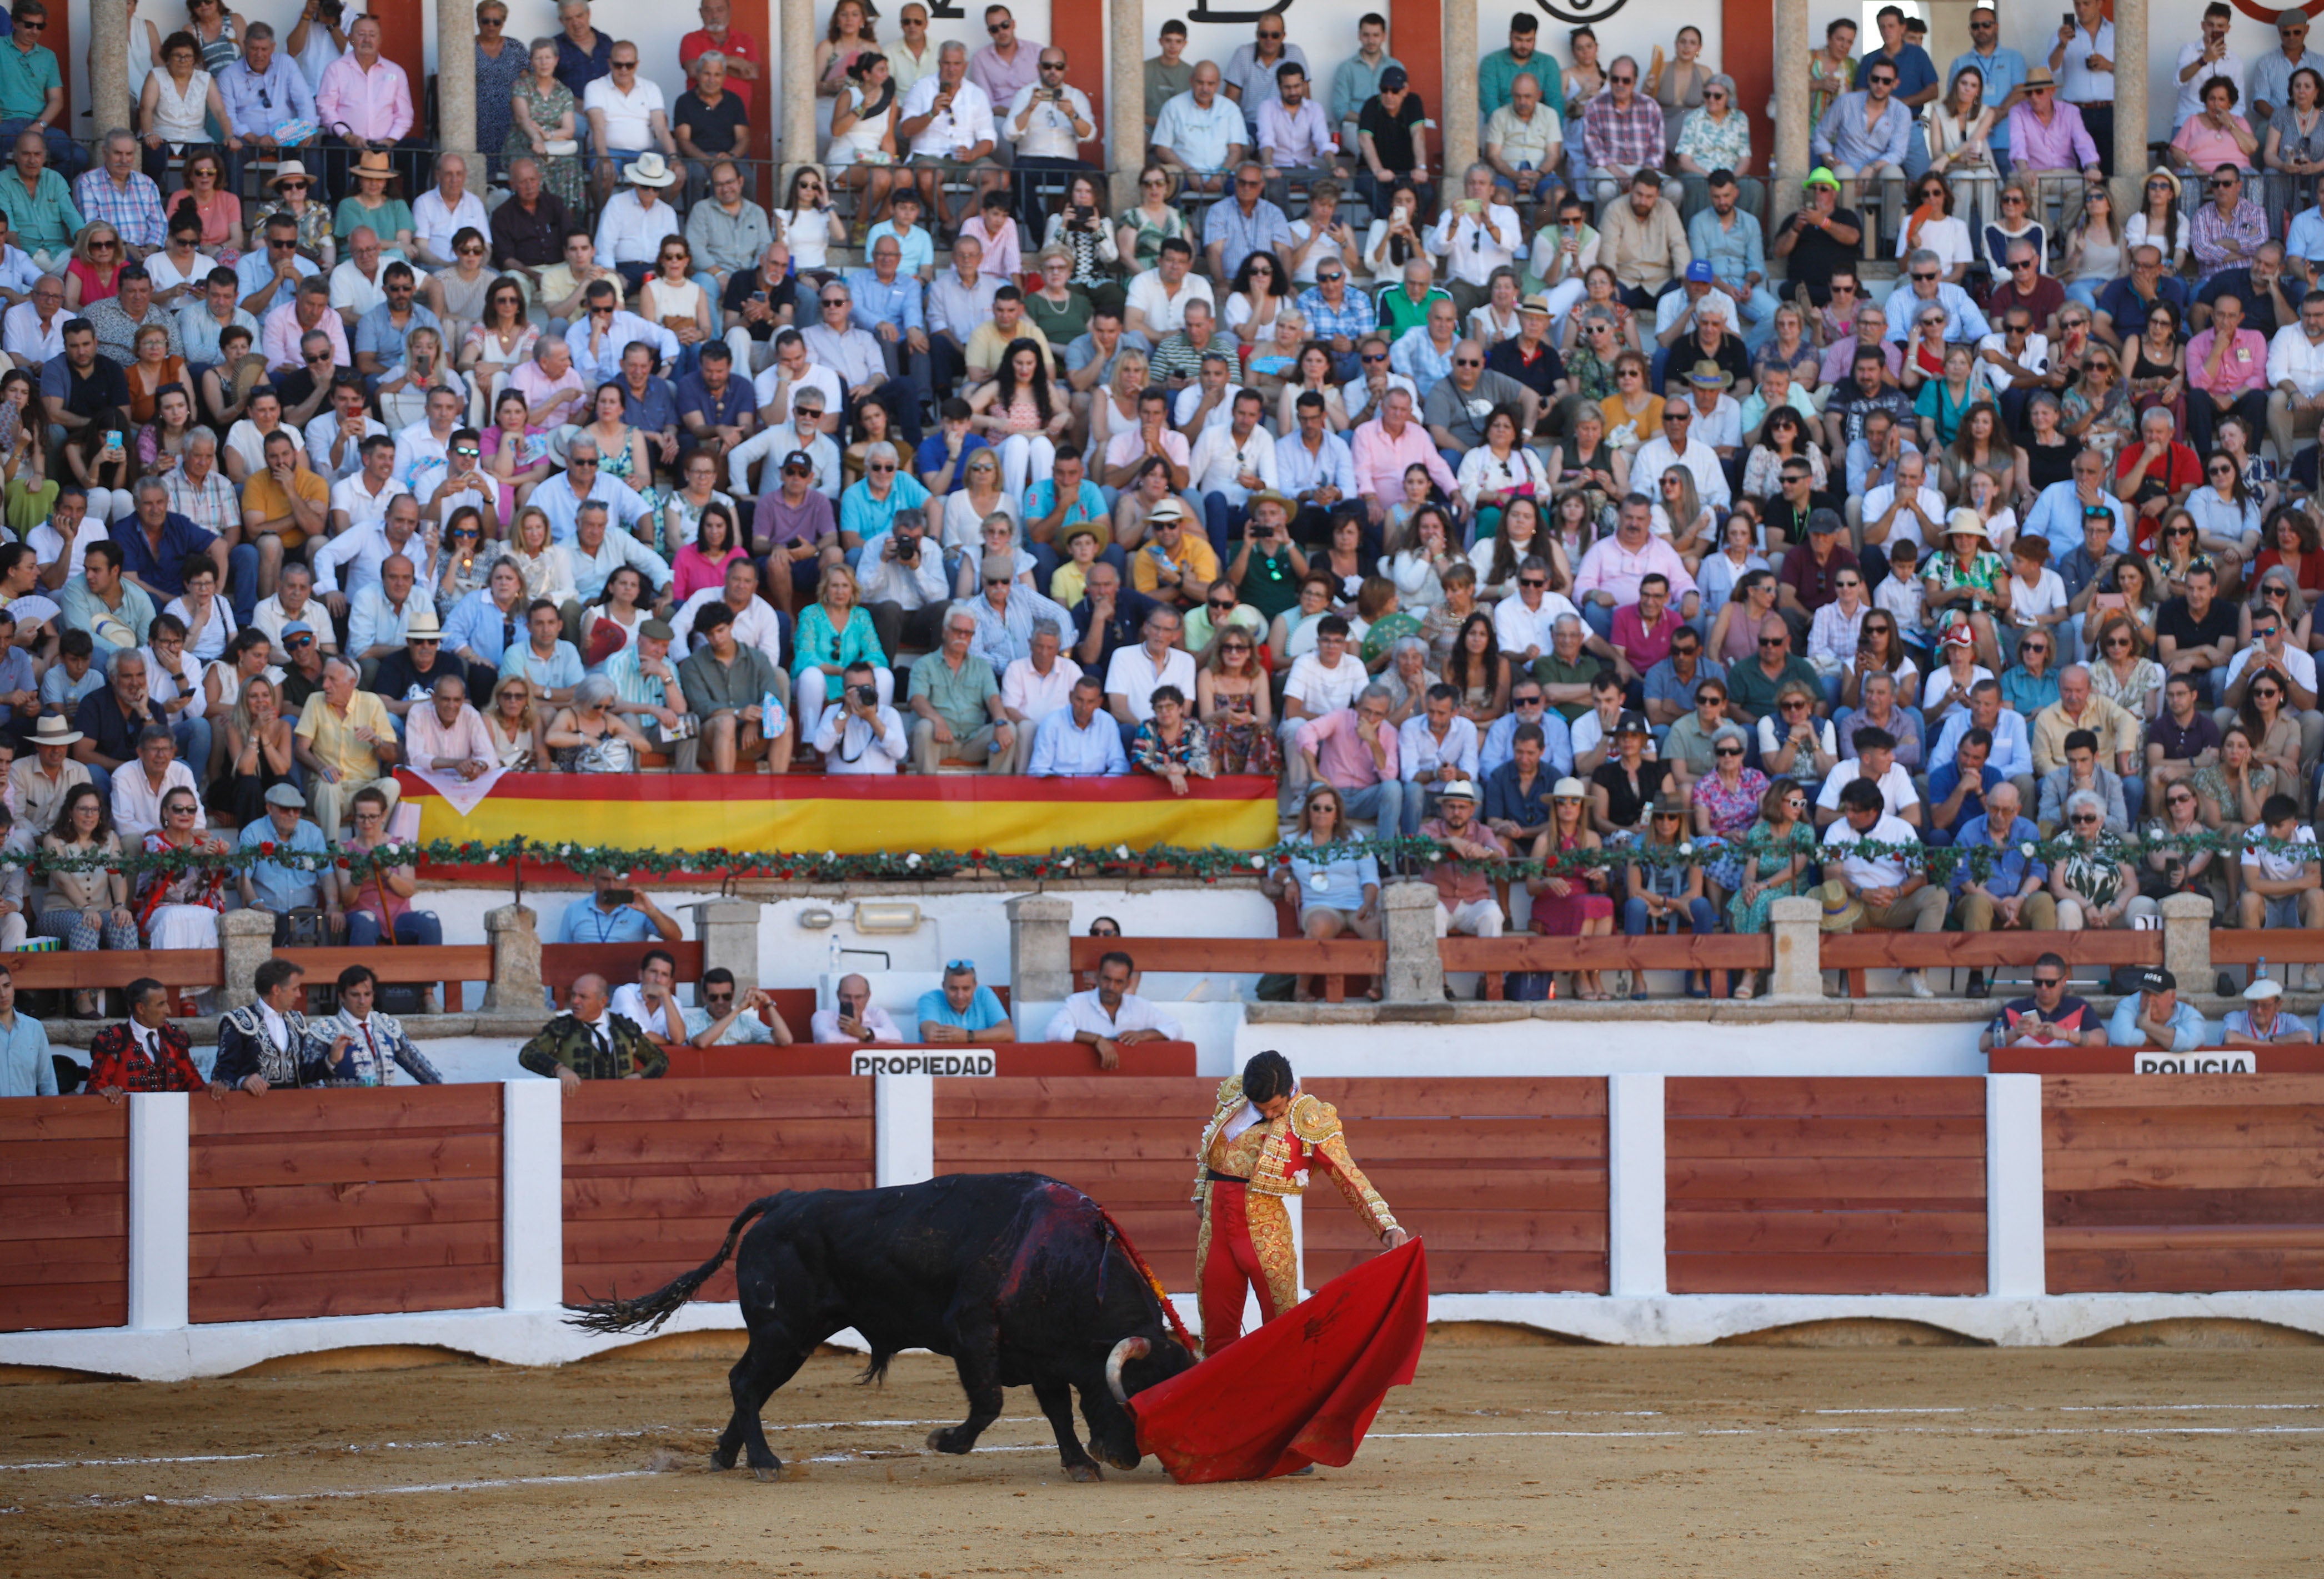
x,y
773,720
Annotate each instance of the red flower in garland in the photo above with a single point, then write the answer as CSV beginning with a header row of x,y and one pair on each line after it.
x,y
266,846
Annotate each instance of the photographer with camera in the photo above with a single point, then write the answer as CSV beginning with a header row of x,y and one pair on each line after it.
x,y
903,586
859,734
1048,122
615,913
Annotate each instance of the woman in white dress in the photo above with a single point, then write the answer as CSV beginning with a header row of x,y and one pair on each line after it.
x,y
1958,127
176,105
864,135
179,909
807,224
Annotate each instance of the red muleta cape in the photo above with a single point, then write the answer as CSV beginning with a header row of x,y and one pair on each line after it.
x,y
1301,1389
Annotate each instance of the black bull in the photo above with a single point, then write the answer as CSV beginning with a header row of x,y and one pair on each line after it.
x,y
1017,1278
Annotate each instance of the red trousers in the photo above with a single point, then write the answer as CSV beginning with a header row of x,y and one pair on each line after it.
x,y
1245,1242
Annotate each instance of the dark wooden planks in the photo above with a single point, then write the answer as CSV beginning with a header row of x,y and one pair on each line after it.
x,y
64,1213
1505,1177
655,1170
2197,1184
1127,1142
345,1203
1813,1186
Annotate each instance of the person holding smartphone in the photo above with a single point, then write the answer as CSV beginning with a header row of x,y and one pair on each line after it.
x,y
615,913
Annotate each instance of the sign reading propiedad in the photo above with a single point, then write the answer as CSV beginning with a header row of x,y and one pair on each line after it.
x,y
972,1064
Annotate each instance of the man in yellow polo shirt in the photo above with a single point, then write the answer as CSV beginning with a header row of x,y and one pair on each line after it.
x,y
1174,565
282,507
346,740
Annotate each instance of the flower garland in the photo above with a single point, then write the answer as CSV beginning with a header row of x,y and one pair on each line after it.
x,y
1120,861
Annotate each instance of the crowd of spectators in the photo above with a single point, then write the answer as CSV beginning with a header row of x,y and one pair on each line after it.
x,y
1553,504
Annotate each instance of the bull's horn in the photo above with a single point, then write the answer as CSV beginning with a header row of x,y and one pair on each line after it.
x,y
1124,1352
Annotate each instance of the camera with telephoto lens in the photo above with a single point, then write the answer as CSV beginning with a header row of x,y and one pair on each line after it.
x,y
863,696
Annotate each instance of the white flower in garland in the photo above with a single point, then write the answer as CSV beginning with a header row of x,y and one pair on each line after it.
x,y
912,860
1122,852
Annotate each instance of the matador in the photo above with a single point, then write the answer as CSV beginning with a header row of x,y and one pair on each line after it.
x,y
1260,1145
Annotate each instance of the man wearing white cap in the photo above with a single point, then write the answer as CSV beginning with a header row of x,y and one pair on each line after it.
x,y
2262,1019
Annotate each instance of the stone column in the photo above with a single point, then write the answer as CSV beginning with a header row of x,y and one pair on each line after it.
x,y
1416,970
1461,61
797,101
1125,97
1791,160
108,66
245,942
729,933
1796,925
1040,949
514,931
2129,148
2187,935
456,85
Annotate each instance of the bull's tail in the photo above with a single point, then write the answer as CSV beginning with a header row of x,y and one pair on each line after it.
x,y
616,1314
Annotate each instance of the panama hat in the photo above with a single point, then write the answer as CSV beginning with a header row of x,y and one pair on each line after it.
x,y
649,170
53,730
1842,909
423,626
375,162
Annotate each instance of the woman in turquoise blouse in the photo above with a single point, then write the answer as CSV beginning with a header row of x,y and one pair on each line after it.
x,y
832,632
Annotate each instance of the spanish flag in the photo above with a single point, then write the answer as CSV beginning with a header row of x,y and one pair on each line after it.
x,y
853,816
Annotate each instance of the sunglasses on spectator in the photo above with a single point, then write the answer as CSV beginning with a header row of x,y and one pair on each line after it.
x,y
1923,279
2084,820
1797,704
292,186
1532,581
1728,751
2049,980
1374,357
1778,641
880,466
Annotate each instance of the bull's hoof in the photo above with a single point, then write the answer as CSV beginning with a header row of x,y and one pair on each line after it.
x,y
946,1439
1122,1463
770,1472
1085,1473
720,1458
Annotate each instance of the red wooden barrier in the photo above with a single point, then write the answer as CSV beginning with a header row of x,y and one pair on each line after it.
x,y
1717,952
1335,961
1013,1059
64,1213
1129,1142
345,1202
655,1169
2280,1059
1505,1177
1858,1186
1854,953
2183,1183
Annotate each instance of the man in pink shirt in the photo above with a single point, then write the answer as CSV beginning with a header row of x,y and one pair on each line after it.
x,y
2227,373
447,736
1383,448
370,96
286,328
1353,750
1610,572
549,385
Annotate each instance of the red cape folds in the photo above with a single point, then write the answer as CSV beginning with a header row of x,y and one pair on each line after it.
x,y
1301,1389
